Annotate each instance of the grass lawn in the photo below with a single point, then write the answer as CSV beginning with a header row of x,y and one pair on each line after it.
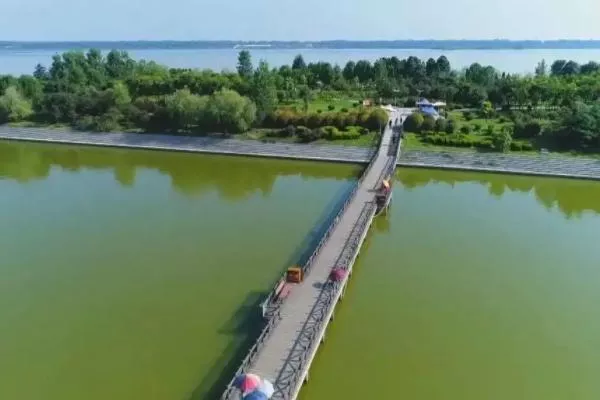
x,y
482,122
323,104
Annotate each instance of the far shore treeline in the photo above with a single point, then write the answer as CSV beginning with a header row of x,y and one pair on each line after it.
x,y
308,101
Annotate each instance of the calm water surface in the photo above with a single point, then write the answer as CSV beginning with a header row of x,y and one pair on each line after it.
x,y
475,287
134,275
513,61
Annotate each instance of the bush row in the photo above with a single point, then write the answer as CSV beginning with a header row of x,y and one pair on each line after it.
x,y
373,119
478,142
458,140
306,134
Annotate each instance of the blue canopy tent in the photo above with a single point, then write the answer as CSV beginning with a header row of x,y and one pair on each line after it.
x,y
429,110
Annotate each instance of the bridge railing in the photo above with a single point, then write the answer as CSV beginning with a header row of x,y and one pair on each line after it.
x,y
231,391
347,256
271,304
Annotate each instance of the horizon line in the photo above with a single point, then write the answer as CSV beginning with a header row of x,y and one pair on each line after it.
x,y
297,40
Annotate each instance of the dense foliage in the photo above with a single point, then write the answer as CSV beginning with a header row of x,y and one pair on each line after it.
x,y
113,91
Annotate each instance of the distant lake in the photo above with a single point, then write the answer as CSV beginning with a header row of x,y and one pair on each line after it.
x,y
13,61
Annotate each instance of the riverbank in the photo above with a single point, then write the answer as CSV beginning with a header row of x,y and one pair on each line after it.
x,y
454,159
537,165
207,145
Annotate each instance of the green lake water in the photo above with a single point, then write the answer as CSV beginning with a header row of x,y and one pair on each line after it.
x,y
474,287
135,275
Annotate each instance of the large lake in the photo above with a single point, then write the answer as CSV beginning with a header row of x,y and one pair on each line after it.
x,y
474,287
135,275
513,61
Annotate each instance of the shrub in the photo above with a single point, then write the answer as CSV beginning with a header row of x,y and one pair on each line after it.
x,y
468,115
306,135
314,121
363,118
377,119
283,118
477,127
441,125
428,124
344,110
528,129
329,132
526,146
339,120
503,120
288,131
86,123
466,129
14,106
414,122
319,111
364,131
331,107
451,126
516,146
350,119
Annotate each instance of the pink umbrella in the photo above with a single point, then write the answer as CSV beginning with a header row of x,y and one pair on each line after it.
x,y
337,274
247,382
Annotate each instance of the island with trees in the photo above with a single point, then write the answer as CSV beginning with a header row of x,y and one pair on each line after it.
x,y
555,107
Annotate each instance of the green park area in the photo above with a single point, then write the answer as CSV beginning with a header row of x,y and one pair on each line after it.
x,y
556,107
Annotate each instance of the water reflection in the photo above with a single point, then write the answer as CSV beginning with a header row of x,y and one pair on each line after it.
x,y
571,197
192,174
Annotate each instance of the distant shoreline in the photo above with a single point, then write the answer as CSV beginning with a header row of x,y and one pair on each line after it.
x,y
446,45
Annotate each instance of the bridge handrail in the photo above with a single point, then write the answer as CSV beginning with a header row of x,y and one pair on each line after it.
x,y
252,353
272,321
308,264
334,287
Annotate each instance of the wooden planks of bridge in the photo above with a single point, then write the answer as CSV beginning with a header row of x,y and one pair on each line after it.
x,y
285,350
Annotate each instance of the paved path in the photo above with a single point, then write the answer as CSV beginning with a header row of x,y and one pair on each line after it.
x,y
282,358
317,152
542,165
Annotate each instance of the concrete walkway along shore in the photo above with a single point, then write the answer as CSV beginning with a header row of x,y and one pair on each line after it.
x,y
542,165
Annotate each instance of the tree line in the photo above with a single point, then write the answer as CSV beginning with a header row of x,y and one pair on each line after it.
x,y
112,91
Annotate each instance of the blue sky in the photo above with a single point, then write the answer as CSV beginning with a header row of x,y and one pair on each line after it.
x,y
298,19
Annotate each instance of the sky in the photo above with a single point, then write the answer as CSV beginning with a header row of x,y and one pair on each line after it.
x,y
311,20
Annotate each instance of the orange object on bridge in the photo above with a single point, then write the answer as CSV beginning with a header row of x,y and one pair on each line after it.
x,y
294,275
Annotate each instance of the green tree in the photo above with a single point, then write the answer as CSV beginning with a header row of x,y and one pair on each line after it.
x,y
428,124
298,63
487,110
541,69
264,92
441,124
443,65
378,119
244,65
502,140
306,95
120,95
229,111
414,122
185,109
348,72
13,106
